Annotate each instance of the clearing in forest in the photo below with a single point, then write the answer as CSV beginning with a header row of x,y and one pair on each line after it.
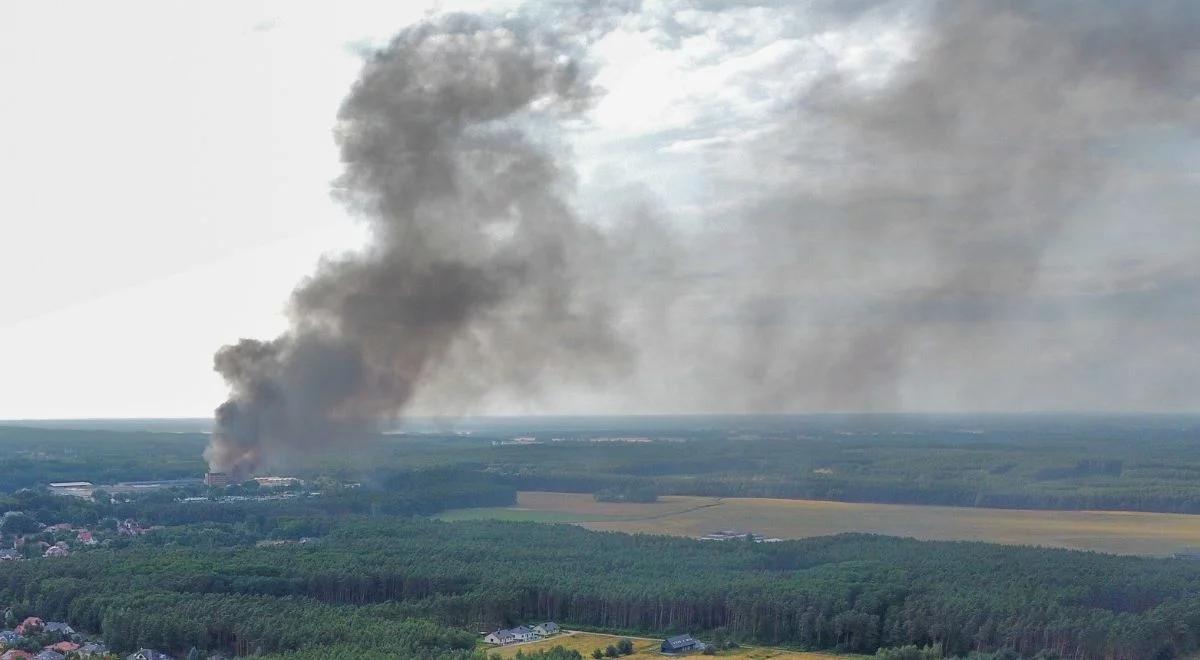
x,y
646,648
1122,532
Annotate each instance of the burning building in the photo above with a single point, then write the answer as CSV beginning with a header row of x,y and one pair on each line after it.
x,y
216,479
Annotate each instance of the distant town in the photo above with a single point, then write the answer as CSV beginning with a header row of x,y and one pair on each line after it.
x,y
23,537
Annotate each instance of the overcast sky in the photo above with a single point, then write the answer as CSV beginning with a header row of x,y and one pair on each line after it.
x,y
167,166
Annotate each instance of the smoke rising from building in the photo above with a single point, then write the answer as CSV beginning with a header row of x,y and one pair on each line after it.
x,y
474,246
933,239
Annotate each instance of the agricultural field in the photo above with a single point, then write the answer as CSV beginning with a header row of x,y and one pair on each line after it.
x,y
1120,532
646,648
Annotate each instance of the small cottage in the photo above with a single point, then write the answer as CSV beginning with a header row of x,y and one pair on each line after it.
x,y
681,644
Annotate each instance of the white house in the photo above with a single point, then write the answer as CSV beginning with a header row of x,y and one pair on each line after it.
x,y
546,629
510,635
500,637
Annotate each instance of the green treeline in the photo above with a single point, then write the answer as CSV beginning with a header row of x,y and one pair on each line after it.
x,y
1146,463
850,592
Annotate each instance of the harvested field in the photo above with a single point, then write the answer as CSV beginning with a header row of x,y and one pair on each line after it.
x,y
1121,532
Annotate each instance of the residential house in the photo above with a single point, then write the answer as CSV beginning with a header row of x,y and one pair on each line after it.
x,y
681,644
130,527
59,549
510,635
16,654
546,629
9,554
147,654
500,637
9,637
47,654
85,537
63,647
59,627
30,625
92,648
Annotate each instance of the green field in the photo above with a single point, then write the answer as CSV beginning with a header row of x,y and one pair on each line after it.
x,y
1121,532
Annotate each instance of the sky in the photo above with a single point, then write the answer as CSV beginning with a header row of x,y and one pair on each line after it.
x,y
842,206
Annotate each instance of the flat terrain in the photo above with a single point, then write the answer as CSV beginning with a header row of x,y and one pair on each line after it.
x,y
645,648
1121,532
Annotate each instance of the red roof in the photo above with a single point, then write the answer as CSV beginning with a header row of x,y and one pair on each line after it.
x,y
64,647
28,625
15,654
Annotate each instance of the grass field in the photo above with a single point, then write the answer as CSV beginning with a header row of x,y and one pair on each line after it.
x,y
649,648
1105,531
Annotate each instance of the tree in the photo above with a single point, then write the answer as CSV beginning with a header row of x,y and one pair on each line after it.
x,y
625,646
597,654
611,651
18,522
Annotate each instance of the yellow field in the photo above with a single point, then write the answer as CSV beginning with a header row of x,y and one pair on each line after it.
x,y
645,648
1106,531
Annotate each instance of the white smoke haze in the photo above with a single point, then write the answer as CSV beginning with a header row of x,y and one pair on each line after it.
x,y
956,223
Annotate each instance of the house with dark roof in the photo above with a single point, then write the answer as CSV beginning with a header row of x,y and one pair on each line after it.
x,y
58,627
546,629
148,654
47,654
92,648
682,644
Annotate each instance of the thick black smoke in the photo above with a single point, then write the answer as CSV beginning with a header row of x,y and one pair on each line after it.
x,y
473,248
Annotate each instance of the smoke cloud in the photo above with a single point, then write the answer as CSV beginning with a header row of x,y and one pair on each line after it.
x,y
474,247
937,240
954,233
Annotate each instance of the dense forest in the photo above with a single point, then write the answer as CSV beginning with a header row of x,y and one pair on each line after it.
x,y
372,579
350,559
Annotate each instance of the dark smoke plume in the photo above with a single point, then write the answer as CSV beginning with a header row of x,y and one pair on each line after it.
x,y
474,249
934,239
